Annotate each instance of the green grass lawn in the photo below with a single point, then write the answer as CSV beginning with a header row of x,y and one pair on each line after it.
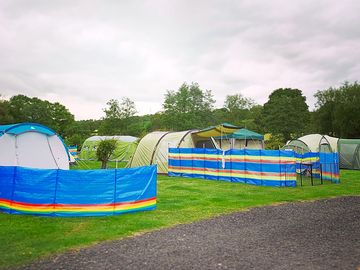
x,y
180,200
92,164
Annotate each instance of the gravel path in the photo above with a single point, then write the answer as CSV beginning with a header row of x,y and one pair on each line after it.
x,y
313,235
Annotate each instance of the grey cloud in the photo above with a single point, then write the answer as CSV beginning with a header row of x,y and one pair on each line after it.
x,y
91,51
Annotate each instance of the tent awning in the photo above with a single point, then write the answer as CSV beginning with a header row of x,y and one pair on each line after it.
x,y
244,134
216,131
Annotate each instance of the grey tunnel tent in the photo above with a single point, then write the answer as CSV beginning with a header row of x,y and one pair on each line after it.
x,y
348,149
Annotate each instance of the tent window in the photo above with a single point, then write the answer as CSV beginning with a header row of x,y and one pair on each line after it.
x,y
204,144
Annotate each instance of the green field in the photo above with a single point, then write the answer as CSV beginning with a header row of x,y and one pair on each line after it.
x,y
92,164
180,200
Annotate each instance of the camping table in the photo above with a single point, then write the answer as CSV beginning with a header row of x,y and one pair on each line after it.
x,y
310,165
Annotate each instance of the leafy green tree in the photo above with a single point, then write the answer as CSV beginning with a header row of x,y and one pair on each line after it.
x,y
61,118
127,108
117,116
286,113
79,131
188,107
104,151
157,121
238,109
275,142
253,121
113,109
5,116
111,123
337,111
238,102
220,115
53,115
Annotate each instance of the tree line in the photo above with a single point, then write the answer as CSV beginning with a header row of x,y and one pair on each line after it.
x,y
285,115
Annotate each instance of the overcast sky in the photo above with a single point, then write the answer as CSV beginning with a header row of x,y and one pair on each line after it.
x,y
83,53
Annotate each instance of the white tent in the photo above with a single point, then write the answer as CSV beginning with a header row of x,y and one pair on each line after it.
x,y
32,145
348,149
313,143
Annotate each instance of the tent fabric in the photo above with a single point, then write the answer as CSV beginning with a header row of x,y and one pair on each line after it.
x,y
17,129
77,193
153,148
123,138
324,165
349,150
32,145
256,167
227,144
125,147
242,138
313,143
73,153
244,134
216,131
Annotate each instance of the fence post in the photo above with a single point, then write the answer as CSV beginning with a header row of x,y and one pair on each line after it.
x,y
301,172
321,176
331,172
114,200
179,159
245,167
218,164
55,192
286,165
192,161
230,160
204,151
261,168
279,160
13,188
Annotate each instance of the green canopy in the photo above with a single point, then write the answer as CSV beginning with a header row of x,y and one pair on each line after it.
x,y
243,134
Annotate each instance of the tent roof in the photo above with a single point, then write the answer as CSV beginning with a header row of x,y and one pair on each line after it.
x,y
313,141
349,141
243,134
118,138
216,131
16,129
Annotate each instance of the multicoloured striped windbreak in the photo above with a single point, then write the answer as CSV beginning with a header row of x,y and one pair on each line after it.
x,y
324,165
77,193
257,167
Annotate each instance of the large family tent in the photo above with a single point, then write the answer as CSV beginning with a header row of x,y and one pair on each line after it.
x,y
313,143
153,148
242,138
348,149
125,147
32,145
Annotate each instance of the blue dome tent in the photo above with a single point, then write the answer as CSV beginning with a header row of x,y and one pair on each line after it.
x,y
32,145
